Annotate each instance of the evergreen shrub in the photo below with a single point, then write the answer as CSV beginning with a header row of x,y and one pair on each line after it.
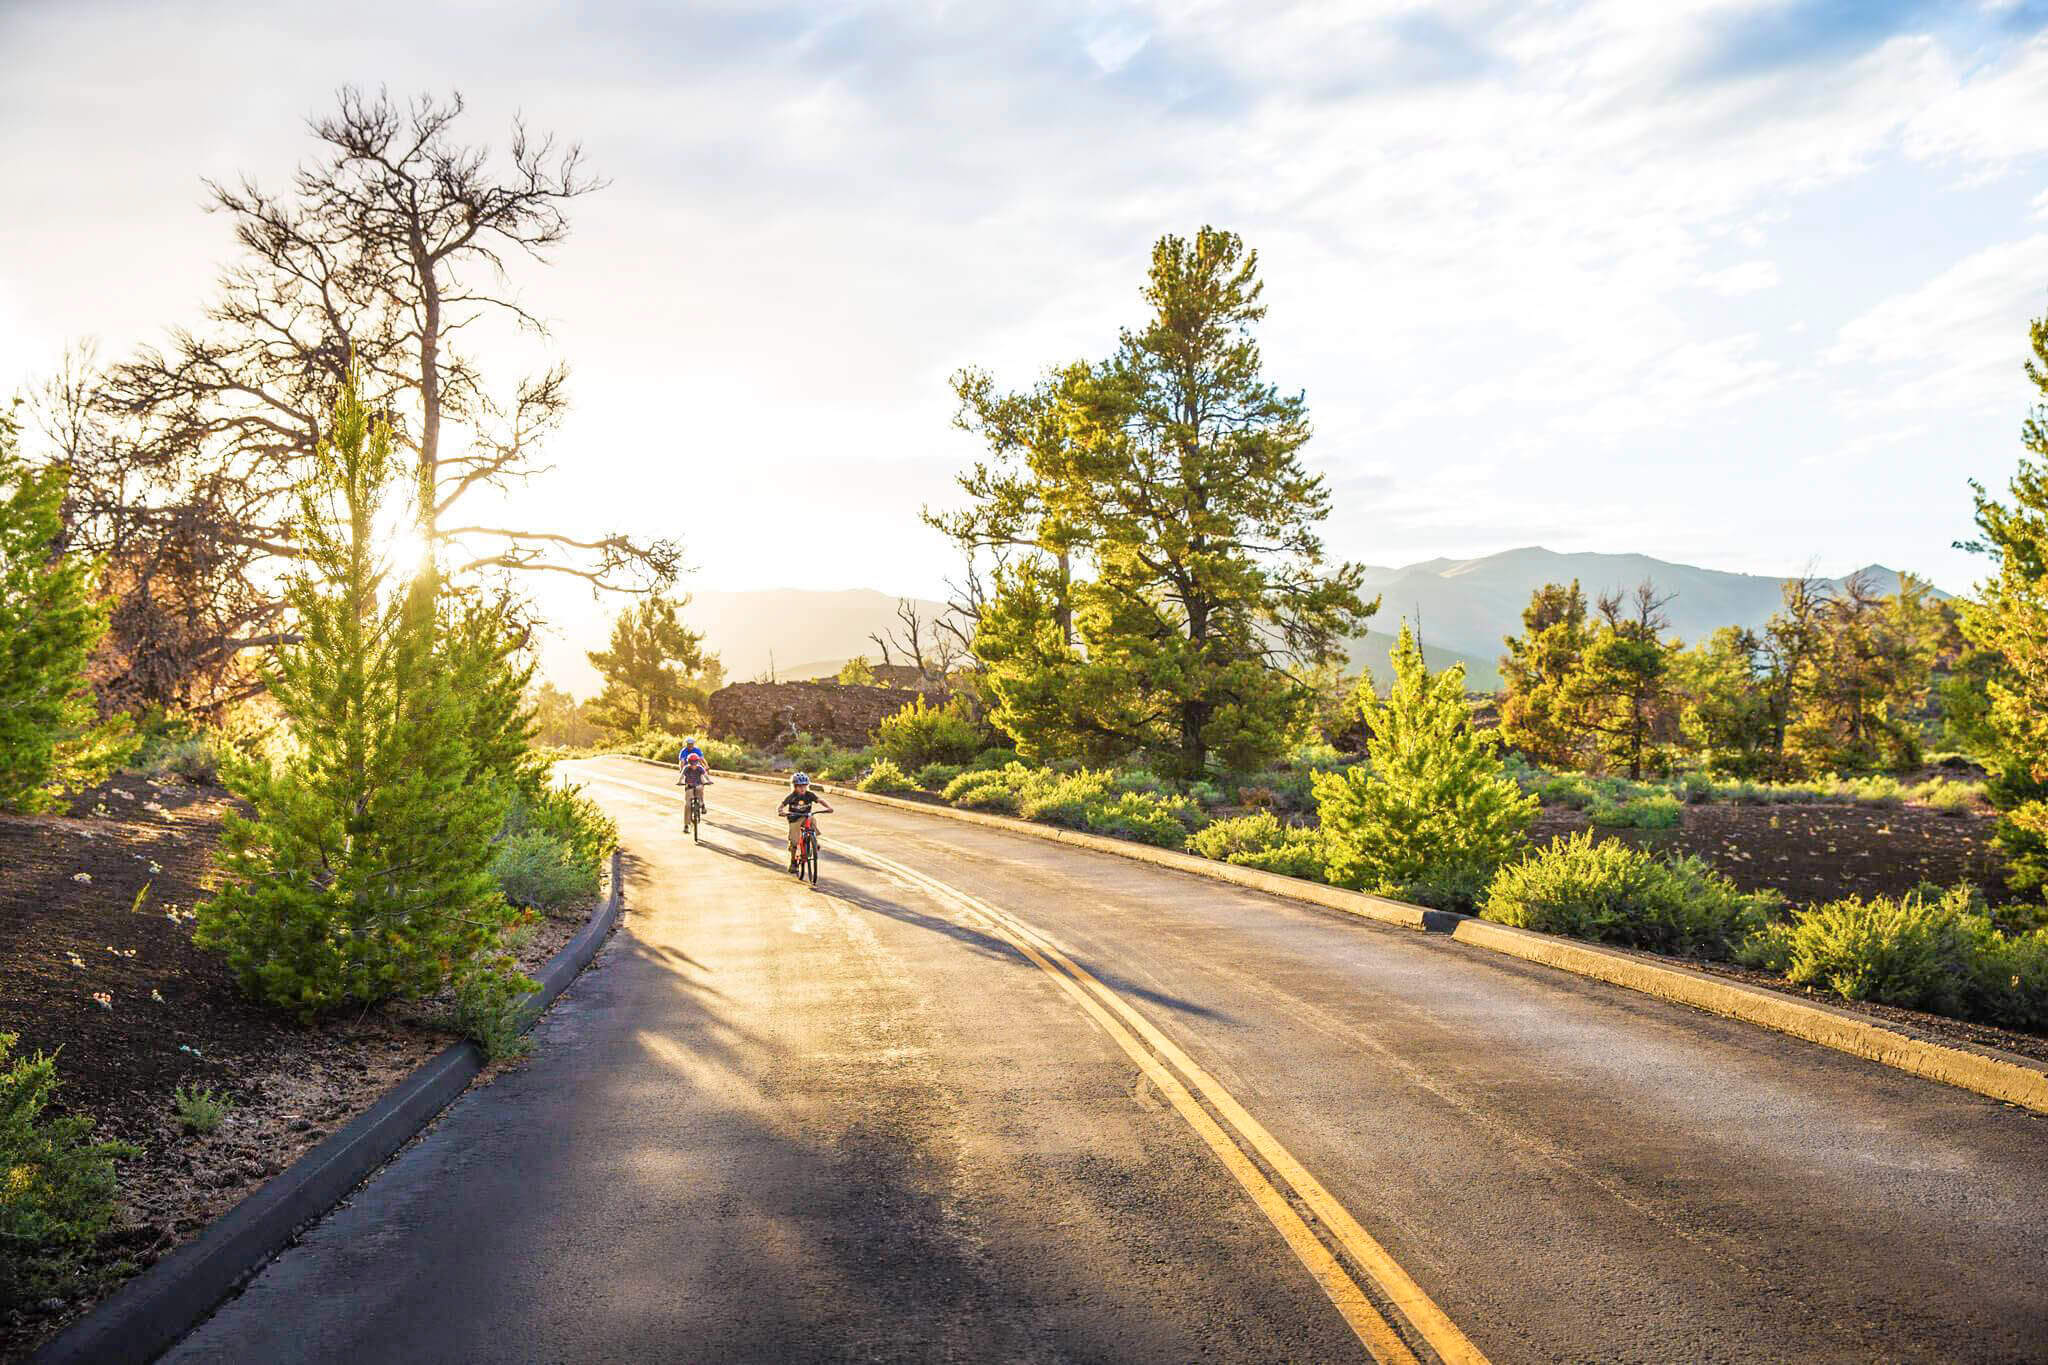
x,y
56,1183
885,776
921,734
1612,892
1434,812
1640,812
1927,949
539,870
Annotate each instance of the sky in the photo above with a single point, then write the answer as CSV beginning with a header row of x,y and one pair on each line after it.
x,y
1740,283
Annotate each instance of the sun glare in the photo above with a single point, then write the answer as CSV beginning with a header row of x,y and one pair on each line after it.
x,y
400,545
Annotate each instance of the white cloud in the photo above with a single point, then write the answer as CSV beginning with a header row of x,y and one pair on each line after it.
x,y
1989,120
1533,239
1746,278
1954,342
1112,48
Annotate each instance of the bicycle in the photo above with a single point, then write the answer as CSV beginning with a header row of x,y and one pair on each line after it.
x,y
806,868
693,814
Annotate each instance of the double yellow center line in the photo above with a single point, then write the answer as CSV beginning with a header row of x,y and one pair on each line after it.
x,y
1230,1132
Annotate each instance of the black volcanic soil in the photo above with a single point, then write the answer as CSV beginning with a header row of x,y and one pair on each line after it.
x,y
1817,853
98,967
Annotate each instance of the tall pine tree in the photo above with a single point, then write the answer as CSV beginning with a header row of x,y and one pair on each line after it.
x,y
1540,661
363,873
2009,620
1174,599
49,623
656,674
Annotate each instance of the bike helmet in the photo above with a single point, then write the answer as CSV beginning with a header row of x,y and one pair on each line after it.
x,y
800,780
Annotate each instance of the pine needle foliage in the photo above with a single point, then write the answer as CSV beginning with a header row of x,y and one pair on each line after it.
x,y
2009,621
364,874
1433,812
56,1183
50,736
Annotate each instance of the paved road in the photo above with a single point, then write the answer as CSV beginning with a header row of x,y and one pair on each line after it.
x,y
893,1119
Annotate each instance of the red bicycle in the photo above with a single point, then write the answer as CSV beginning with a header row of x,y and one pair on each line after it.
x,y
806,868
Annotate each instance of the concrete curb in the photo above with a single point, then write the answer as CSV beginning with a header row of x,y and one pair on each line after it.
x,y
2000,1075
148,1315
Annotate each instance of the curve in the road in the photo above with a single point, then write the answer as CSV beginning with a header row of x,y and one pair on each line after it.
x,y
1166,1065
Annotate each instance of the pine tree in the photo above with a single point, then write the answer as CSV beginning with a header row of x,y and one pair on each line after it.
x,y
1623,690
1870,672
657,676
1433,812
1533,714
2010,620
1726,710
49,624
1173,598
363,873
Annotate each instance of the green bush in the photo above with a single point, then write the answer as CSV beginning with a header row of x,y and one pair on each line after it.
x,y
1641,812
1612,892
921,734
1150,819
811,754
731,756
1920,950
1877,790
2012,980
846,765
1289,791
1949,798
58,1185
199,1109
1570,790
1258,840
1693,789
934,777
1254,833
1123,804
989,759
572,818
175,750
1064,798
885,776
1205,794
994,789
1436,813
494,1010
538,869
1300,853
658,745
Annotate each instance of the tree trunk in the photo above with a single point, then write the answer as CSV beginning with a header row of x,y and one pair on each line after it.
x,y
430,386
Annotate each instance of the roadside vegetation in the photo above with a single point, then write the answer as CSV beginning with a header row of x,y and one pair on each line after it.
x,y
272,817
1615,739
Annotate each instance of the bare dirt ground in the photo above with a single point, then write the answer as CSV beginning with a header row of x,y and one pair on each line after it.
x,y
1816,853
98,967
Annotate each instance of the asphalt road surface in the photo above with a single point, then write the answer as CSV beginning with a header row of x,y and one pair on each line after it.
x,y
981,1097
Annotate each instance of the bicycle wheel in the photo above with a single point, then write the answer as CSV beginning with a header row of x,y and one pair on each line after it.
x,y
696,820
810,871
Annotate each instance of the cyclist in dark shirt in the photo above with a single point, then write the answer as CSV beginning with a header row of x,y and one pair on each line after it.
x,y
796,804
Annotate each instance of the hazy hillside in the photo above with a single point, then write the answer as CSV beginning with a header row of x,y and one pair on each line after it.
x,y
1465,607
1469,605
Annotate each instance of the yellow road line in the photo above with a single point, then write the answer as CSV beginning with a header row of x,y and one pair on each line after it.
x,y
1106,1007
1443,1335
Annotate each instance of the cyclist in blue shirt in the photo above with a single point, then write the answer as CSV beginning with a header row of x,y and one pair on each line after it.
x,y
683,758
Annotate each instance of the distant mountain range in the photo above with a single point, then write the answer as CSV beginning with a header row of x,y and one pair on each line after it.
x,y
1463,606
1468,605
